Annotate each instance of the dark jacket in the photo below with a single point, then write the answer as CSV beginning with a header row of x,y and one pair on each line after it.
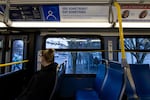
x,y
41,84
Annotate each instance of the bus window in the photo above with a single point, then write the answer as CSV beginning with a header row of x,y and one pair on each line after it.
x,y
17,54
137,50
131,59
78,55
73,43
79,62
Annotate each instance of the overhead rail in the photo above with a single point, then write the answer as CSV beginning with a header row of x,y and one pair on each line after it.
x,y
12,63
69,1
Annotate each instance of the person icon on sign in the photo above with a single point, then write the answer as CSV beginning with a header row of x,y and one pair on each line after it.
x,y
50,15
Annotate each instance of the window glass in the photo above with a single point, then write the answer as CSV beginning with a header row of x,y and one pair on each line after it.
x,y
17,54
77,61
73,43
137,58
137,50
137,43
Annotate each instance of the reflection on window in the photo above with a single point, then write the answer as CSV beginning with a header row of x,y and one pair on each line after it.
x,y
17,54
137,58
77,62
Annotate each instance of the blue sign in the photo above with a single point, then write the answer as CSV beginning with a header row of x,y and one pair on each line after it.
x,y
51,12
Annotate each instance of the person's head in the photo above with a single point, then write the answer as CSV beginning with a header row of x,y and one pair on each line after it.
x,y
47,56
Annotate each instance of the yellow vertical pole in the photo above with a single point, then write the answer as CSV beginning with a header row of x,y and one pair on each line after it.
x,y
120,30
124,61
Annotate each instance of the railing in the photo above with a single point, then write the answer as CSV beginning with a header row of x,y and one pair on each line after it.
x,y
12,63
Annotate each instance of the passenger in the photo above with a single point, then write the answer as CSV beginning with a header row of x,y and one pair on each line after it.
x,y
42,83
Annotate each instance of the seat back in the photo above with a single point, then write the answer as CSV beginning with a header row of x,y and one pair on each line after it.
x,y
113,85
115,65
100,77
141,76
55,85
59,78
60,74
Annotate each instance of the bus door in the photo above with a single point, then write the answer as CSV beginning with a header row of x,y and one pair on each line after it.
x,y
16,51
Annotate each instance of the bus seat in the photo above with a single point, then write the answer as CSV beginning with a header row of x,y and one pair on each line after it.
x,y
87,95
60,74
113,85
128,91
92,94
141,75
100,77
55,85
115,65
111,88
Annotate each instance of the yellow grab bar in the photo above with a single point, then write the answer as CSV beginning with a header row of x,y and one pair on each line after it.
x,y
120,30
124,61
12,63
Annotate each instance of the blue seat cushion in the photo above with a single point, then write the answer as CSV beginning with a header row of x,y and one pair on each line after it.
x,y
141,76
140,98
87,95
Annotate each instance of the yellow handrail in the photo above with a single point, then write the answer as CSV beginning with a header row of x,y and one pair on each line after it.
x,y
120,30
124,60
12,63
